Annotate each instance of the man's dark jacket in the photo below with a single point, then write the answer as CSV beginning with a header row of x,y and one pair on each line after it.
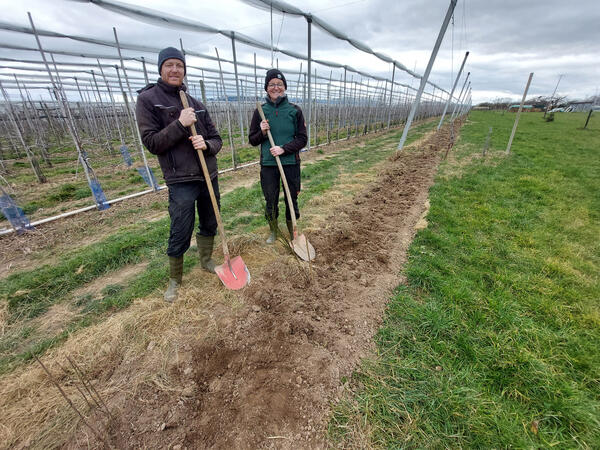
x,y
157,110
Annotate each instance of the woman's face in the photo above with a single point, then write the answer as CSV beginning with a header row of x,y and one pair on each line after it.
x,y
275,89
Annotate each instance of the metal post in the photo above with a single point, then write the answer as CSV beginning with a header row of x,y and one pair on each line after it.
x,y
487,142
358,102
426,74
512,134
343,104
298,85
92,130
588,117
203,92
237,88
391,95
145,71
112,100
452,91
315,114
461,103
466,101
272,50
304,91
348,108
309,22
455,108
368,119
132,123
328,119
185,80
233,156
136,130
339,109
255,81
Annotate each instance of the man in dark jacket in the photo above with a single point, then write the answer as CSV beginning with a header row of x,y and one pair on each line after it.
x,y
164,128
286,122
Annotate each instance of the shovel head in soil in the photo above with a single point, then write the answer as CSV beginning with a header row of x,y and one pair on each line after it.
x,y
233,273
303,248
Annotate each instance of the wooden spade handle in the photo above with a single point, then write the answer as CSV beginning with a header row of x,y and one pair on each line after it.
x,y
211,191
288,196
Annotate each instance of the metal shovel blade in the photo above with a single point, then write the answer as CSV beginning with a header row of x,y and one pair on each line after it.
x,y
233,273
303,248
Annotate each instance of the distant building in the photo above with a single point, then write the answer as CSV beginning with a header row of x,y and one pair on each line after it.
x,y
525,108
581,106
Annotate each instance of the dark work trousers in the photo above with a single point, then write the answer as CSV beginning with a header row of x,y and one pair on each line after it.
x,y
184,200
270,181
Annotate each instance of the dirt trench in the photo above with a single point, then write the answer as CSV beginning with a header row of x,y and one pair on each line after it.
x,y
268,375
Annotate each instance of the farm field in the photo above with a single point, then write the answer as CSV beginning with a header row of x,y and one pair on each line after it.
x,y
488,320
96,295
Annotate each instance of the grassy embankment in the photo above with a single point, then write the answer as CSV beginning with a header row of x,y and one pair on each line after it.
x,y
494,340
28,295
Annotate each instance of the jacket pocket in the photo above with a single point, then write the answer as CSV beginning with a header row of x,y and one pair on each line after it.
x,y
167,114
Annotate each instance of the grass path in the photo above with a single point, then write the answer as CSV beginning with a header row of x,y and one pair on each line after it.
x,y
494,340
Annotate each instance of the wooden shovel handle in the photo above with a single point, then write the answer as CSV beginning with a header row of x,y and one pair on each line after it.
x,y
211,191
288,196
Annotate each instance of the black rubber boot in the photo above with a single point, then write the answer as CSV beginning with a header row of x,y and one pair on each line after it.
x,y
290,227
205,248
175,277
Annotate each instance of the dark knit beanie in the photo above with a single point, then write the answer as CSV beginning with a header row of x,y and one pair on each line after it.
x,y
274,73
168,53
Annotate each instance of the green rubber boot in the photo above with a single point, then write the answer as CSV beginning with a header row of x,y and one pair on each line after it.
x,y
273,234
176,274
290,227
205,248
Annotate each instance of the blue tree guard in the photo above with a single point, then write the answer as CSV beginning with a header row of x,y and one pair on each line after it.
x,y
14,214
144,174
126,156
99,196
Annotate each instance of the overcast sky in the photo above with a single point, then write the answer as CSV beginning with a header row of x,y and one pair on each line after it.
x,y
507,39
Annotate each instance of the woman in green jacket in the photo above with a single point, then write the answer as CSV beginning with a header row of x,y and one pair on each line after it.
x,y
286,122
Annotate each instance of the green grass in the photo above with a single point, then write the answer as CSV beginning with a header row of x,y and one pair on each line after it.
x,y
30,293
494,341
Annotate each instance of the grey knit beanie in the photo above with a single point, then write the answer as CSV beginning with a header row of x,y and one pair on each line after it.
x,y
168,53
